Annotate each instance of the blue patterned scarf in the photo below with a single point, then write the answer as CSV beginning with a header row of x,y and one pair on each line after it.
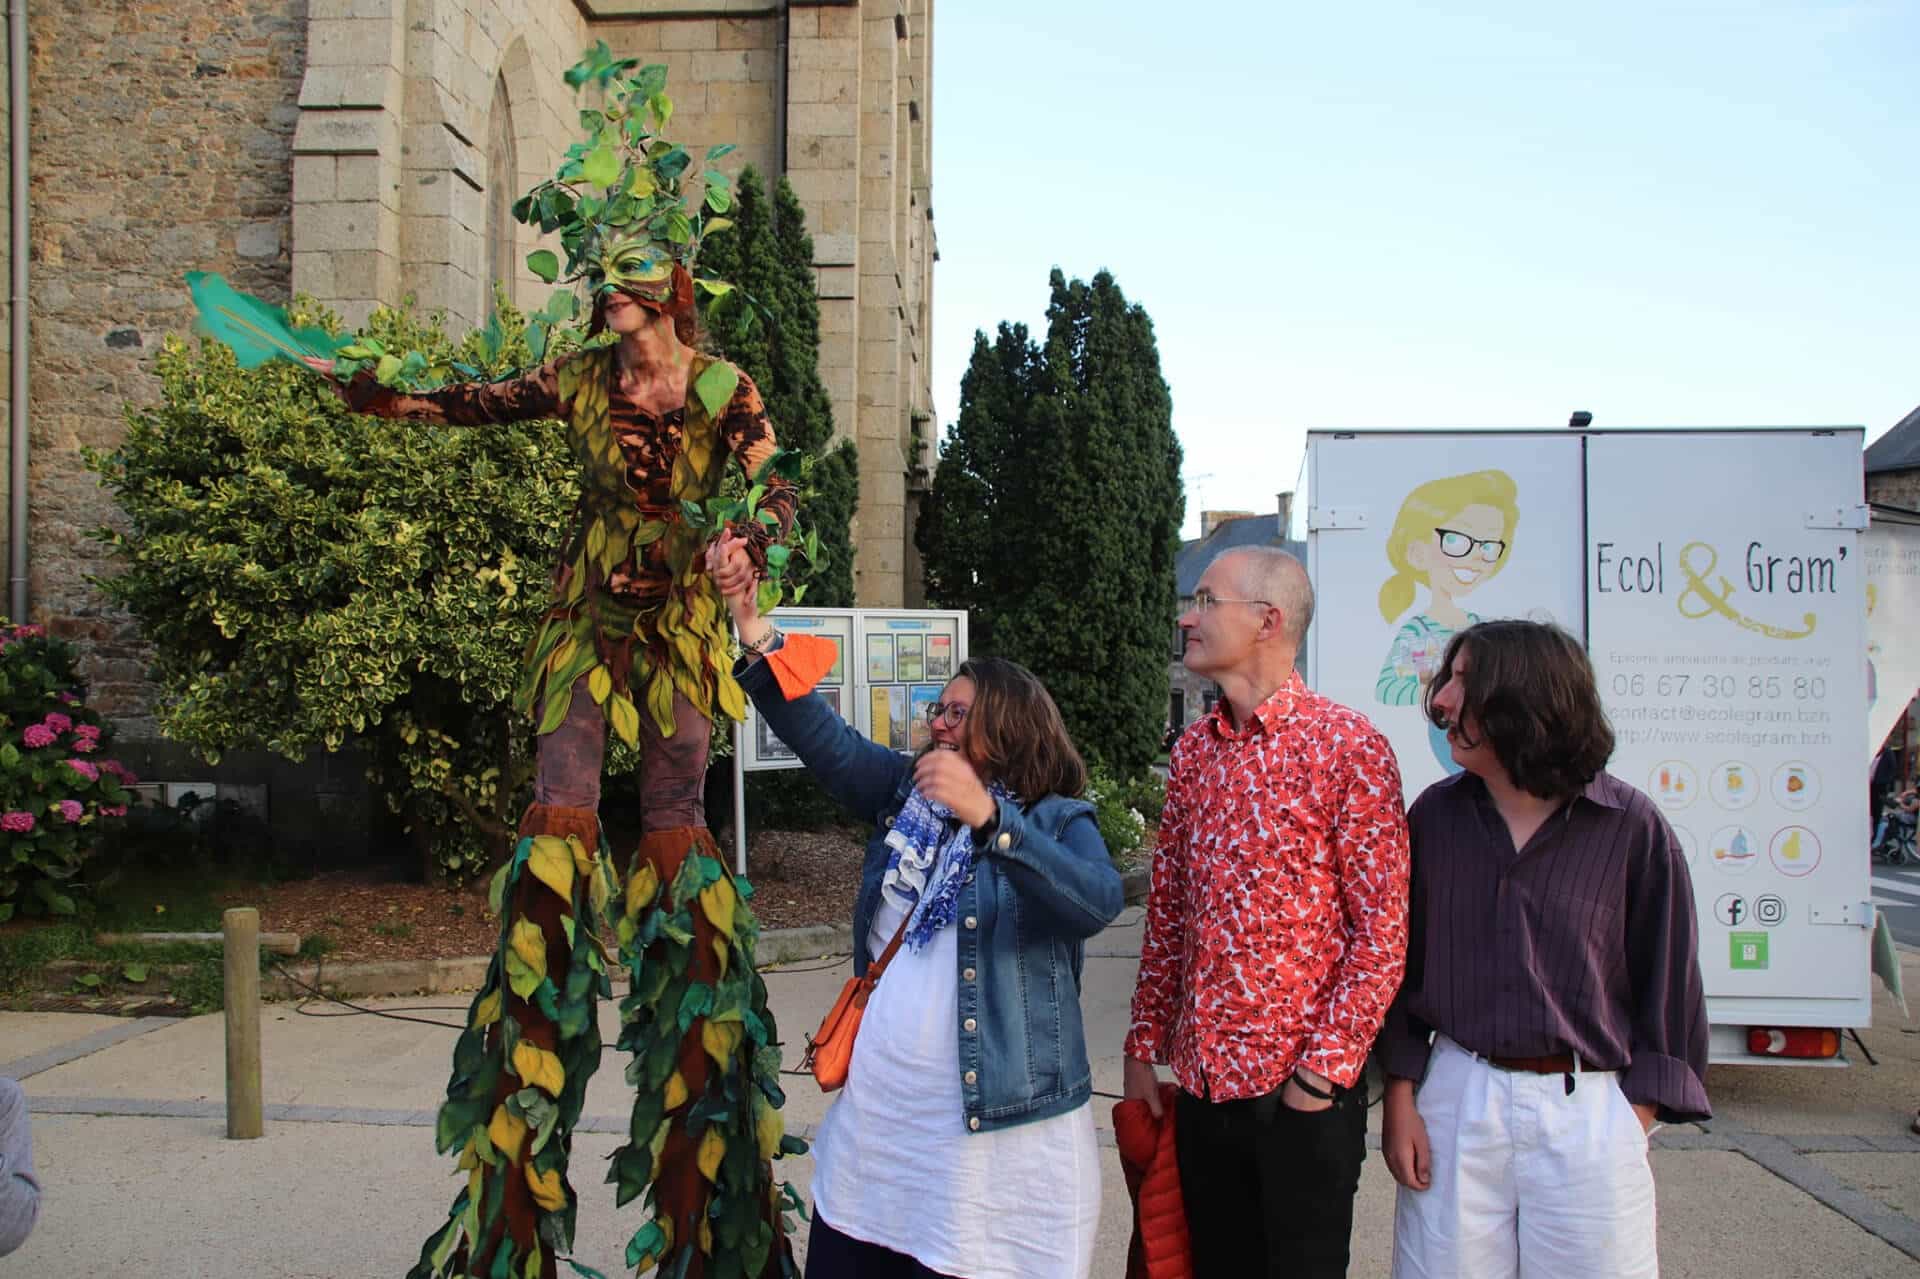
x,y
918,840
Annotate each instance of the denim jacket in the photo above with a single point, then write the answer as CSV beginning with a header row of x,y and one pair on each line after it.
x,y
1042,884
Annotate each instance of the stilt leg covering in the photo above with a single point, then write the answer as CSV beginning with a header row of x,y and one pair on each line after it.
x,y
706,1069
551,819
520,1069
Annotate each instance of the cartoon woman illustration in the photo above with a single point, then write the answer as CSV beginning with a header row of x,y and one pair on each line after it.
x,y
1451,535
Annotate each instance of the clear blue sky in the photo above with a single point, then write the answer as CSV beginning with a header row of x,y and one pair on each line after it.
x,y
1420,215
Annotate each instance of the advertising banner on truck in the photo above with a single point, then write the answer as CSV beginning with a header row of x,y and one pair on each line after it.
x,y
1718,582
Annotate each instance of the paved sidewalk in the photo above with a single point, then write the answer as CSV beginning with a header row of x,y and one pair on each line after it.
x,y
1805,1172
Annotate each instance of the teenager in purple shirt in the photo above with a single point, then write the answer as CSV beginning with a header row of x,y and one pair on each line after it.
x,y
1552,1010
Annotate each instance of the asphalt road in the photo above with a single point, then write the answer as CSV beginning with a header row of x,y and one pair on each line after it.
x,y
1896,892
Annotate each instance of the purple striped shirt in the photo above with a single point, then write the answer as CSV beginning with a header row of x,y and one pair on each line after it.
x,y
1583,941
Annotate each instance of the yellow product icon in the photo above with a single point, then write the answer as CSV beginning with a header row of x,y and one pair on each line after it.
x,y
1791,848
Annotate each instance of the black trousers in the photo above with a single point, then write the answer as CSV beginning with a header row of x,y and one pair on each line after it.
x,y
1269,1191
832,1255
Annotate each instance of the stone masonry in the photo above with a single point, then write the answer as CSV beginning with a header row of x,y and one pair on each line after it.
x,y
362,151
160,142
394,189
365,150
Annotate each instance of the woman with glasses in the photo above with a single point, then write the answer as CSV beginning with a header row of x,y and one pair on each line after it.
x,y
962,1144
1451,535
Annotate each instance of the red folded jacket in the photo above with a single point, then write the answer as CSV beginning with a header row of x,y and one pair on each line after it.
x,y
1159,1248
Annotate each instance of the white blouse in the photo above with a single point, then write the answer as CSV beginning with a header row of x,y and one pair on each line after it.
x,y
894,1164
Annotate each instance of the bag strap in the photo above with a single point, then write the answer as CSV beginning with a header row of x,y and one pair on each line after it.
x,y
879,965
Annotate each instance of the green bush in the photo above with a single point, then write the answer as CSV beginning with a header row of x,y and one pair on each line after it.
x,y
1122,825
1147,795
307,576
59,787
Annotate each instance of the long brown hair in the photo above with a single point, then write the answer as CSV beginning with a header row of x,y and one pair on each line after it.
x,y
1015,734
1530,694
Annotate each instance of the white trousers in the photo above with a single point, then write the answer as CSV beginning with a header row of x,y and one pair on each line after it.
x,y
1528,1180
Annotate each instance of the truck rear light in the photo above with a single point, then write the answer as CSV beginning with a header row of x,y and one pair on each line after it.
x,y
1792,1041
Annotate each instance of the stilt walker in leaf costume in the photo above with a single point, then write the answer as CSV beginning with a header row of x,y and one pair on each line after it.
x,y
636,639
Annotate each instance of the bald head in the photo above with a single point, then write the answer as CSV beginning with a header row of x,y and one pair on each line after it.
x,y
1269,573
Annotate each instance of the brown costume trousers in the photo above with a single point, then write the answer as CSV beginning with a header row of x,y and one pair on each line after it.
x,y
673,769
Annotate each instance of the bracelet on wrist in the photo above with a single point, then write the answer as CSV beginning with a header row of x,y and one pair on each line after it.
x,y
759,647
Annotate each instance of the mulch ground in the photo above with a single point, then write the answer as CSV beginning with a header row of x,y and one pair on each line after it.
x,y
798,878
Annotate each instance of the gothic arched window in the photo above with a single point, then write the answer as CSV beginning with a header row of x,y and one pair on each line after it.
x,y
502,173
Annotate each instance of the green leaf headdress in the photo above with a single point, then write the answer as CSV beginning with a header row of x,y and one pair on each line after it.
x,y
618,200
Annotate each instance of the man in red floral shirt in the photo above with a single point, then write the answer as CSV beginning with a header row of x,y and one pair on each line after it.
x,y
1275,937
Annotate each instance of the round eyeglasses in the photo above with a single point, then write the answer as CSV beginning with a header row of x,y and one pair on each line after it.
x,y
1456,545
954,713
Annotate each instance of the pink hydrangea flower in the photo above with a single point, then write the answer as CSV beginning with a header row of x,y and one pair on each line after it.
x,y
57,722
83,767
88,732
70,810
16,821
113,810
38,735
119,770
86,745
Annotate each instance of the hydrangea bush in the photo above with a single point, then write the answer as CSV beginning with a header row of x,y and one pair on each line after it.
x,y
59,784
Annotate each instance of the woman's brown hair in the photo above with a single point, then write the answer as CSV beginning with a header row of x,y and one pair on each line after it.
x,y
1015,734
1530,694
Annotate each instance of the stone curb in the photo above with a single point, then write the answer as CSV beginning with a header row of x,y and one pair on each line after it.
x,y
372,978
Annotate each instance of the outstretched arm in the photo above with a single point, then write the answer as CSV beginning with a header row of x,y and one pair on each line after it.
x,y
526,398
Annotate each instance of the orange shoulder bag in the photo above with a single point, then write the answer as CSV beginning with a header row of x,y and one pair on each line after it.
x,y
830,1050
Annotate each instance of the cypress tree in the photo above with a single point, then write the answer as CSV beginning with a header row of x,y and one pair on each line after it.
x,y
768,256
1056,509
975,482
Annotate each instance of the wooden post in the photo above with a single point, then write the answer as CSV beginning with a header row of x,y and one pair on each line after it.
x,y
241,929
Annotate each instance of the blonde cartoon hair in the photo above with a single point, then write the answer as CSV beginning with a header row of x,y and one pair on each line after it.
x,y
1426,509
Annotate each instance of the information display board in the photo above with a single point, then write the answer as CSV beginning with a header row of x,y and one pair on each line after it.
x,y
893,664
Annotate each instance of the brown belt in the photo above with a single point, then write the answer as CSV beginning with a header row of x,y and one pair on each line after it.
x,y
1551,1064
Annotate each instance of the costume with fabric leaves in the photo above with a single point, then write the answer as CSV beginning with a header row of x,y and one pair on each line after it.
x,y
635,639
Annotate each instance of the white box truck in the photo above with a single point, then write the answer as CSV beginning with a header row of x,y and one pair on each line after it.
x,y
1717,581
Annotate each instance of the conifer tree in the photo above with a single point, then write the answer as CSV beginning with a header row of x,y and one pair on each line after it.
x,y
1056,509
768,256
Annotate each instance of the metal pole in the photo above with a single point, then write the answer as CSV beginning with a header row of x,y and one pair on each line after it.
x,y
18,602
739,798
241,929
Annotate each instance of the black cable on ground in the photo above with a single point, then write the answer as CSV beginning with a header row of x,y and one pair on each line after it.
x,y
314,993
356,1010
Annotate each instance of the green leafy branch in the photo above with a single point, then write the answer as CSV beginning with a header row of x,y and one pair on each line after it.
x,y
733,509
623,178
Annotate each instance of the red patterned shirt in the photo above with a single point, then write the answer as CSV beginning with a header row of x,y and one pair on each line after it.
x,y
1276,927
